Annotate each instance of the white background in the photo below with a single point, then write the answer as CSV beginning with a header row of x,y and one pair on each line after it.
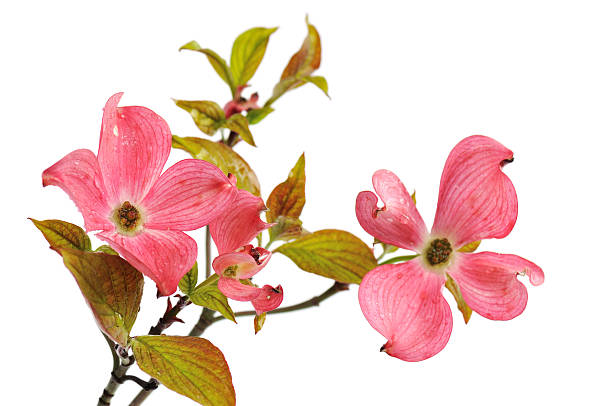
x,y
407,83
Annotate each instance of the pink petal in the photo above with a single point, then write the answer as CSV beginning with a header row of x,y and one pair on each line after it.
x,y
269,299
239,224
233,289
476,200
78,174
134,146
189,195
404,303
399,222
489,284
246,264
164,256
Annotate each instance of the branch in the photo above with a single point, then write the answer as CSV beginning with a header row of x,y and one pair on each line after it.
x,y
118,374
315,301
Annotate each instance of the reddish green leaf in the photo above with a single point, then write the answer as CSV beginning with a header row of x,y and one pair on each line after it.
x,y
218,63
453,287
207,115
286,202
239,124
247,52
259,321
111,287
221,156
191,366
61,234
334,254
207,294
308,58
301,66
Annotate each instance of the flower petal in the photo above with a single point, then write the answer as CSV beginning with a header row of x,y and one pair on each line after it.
x,y
164,256
399,222
239,224
269,299
78,174
404,303
243,262
489,284
233,289
189,195
134,147
476,200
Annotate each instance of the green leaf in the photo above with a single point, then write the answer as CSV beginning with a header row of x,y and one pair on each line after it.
x,y
207,294
221,156
402,258
191,366
387,248
286,202
247,52
318,81
239,124
471,247
188,282
112,288
207,115
254,116
107,249
453,287
61,234
258,321
286,229
218,63
335,254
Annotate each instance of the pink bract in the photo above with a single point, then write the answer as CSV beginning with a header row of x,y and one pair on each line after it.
x,y
238,261
141,212
476,201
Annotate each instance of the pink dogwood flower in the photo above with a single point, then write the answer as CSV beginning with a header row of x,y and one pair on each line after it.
x,y
238,261
477,200
141,212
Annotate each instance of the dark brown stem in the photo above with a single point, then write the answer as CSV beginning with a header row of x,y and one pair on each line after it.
x,y
232,139
170,316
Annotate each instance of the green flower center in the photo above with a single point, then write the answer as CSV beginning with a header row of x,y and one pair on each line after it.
x,y
230,271
127,217
439,251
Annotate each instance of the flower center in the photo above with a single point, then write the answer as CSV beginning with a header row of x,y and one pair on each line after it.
x,y
439,251
127,218
230,271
